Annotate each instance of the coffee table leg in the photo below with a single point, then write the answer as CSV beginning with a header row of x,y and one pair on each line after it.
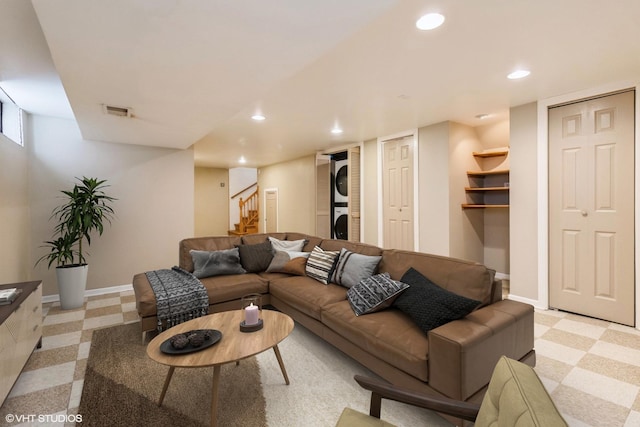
x,y
214,395
281,363
166,384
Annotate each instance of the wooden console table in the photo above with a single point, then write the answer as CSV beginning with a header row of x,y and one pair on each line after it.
x,y
20,332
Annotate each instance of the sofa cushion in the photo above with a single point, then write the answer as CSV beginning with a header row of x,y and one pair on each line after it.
x,y
359,248
469,279
374,293
289,262
287,245
233,287
252,239
320,264
312,241
388,335
428,304
351,268
306,295
256,258
216,263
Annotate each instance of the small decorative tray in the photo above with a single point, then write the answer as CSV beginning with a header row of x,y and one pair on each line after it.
x,y
167,347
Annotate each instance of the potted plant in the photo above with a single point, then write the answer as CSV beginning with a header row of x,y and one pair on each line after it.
x,y
85,210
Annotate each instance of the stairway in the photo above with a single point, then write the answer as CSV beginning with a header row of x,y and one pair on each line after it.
x,y
250,225
249,216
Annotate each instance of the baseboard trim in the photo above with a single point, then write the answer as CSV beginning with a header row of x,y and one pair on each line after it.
x,y
501,276
92,292
535,303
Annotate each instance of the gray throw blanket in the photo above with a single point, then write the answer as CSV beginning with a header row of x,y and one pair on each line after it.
x,y
180,296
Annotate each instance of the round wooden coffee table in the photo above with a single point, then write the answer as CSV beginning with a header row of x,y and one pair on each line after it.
x,y
233,347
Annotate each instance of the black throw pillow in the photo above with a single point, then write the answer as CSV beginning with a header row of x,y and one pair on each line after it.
x,y
429,305
256,258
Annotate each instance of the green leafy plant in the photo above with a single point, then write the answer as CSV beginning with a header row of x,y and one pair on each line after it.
x,y
86,209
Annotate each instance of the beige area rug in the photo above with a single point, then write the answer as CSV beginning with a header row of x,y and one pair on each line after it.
x,y
122,386
322,385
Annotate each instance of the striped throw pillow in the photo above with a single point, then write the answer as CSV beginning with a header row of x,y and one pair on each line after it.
x,y
320,264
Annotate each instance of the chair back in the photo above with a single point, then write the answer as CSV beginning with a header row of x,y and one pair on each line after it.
x,y
517,398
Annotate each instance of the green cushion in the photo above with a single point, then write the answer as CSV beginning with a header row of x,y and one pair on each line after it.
x,y
352,418
516,397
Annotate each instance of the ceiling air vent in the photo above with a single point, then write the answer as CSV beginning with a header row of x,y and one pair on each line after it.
x,y
117,111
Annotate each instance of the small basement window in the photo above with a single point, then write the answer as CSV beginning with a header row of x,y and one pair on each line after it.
x,y
11,119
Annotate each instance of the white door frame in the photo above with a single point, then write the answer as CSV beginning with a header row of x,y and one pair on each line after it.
x,y
264,198
416,186
543,186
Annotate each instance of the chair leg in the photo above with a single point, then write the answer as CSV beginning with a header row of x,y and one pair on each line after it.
x,y
376,404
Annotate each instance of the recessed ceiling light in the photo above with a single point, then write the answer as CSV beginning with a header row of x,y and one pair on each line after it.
x,y
430,21
482,116
258,117
336,131
242,160
518,74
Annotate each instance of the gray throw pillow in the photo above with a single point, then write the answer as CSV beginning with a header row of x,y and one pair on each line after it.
x,y
429,305
287,245
374,293
352,268
255,258
216,263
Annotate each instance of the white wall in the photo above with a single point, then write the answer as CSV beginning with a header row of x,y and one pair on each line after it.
x,y
154,210
466,226
211,202
14,212
295,181
433,173
523,212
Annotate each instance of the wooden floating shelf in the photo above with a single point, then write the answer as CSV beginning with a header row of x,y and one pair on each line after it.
x,y
469,206
490,153
486,173
486,189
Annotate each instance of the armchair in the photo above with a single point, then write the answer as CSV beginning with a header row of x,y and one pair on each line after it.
x,y
515,398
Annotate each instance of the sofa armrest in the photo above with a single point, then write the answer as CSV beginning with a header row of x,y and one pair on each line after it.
x,y
463,353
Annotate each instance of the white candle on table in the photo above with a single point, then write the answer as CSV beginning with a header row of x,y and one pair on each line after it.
x,y
251,315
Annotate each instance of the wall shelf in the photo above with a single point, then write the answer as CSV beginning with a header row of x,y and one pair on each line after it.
x,y
470,206
495,153
487,173
480,189
488,188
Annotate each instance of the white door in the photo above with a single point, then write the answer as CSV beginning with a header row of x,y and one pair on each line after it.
x,y
591,214
397,189
271,211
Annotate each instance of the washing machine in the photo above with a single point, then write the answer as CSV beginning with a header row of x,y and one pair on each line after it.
x,y
340,182
341,222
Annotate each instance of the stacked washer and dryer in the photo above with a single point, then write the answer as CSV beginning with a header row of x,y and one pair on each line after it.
x,y
340,196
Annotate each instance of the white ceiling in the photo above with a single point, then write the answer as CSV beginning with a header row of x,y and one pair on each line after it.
x,y
194,71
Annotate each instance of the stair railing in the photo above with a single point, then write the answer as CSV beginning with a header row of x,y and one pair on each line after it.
x,y
248,211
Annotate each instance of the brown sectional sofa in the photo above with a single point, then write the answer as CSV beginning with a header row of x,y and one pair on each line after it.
x,y
454,360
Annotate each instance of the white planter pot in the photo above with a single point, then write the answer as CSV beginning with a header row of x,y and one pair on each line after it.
x,y
72,282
